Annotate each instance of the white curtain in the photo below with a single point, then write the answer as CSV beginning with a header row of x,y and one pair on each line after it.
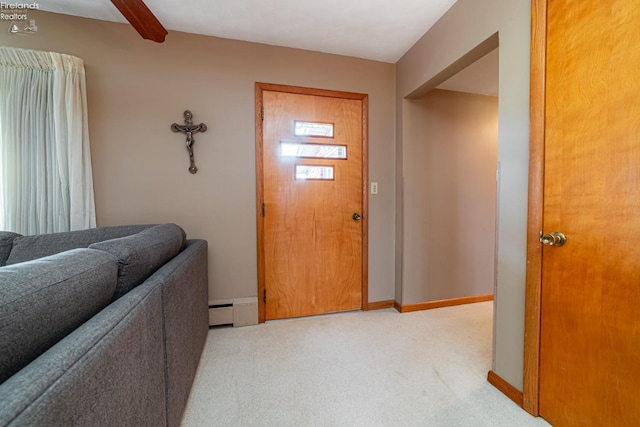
x,y
46,183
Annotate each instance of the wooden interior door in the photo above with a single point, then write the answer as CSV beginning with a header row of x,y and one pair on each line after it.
x,y
313,216
590,303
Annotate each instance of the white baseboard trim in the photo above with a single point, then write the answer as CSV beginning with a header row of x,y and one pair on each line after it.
x,y
236,312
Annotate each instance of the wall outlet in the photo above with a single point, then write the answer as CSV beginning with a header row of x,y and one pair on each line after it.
x,y
374,187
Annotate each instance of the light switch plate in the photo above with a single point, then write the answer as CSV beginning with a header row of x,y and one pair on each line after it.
x,y
374,187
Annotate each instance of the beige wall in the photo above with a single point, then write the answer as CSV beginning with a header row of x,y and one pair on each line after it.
x,y
467,24
137,88
450,174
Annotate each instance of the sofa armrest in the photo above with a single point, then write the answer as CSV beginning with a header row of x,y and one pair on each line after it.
x,y
186,322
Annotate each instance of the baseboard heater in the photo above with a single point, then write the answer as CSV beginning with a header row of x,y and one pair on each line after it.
x,y
236,312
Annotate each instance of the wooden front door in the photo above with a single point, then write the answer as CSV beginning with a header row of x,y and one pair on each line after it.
x,y
590,301
311,216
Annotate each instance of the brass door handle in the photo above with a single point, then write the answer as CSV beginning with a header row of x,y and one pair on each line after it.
x,y
555,238
356,216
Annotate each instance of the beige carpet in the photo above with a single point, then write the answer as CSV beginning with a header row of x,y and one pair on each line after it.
x,y
377,368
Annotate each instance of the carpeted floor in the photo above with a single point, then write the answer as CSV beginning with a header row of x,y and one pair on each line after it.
x,y
376,368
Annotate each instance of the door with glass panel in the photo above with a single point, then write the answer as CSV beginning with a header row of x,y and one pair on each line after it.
x,y
311,216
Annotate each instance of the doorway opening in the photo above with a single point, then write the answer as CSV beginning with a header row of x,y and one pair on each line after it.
x,y
451,185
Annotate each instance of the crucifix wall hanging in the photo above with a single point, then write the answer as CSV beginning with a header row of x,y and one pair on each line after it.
x,y
189,129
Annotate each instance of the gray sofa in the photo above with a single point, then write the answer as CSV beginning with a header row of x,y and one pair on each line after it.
x,y
100,327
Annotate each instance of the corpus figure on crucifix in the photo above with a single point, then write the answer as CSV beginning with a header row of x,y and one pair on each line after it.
x,y
189,129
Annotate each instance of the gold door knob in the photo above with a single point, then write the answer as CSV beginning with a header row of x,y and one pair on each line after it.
x,y
555,238
356,216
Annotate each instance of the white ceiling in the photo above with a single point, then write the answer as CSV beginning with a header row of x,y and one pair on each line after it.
x,y
381,30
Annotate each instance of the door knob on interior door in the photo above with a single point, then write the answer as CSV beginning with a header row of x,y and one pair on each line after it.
x,y
555,238
356,216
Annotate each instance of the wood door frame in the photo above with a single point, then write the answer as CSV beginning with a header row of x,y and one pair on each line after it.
x,y
533,292
259,89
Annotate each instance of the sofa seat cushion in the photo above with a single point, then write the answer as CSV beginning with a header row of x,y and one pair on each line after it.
x,y
44,300
27,248
142,254
6,244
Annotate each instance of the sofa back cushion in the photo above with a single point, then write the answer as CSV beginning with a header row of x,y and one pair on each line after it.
x,y
142,254
6,244
44,300
27,248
